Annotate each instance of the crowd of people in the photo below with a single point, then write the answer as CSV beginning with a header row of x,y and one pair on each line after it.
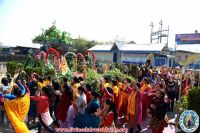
x,y
52,103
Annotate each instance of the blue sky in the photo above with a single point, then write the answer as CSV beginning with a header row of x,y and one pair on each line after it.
x,y
102,20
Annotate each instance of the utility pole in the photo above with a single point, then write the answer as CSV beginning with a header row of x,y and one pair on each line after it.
x,y
158,35
151,25
168,35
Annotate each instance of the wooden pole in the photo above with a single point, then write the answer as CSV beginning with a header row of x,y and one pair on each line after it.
x,y
180,87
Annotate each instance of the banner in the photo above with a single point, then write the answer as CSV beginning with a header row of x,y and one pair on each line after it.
x,y
188,38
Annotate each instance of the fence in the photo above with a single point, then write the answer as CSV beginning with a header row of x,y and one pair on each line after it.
x,y
4,58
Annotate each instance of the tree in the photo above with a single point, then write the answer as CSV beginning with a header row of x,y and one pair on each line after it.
x,y
191,59
54,37
82,44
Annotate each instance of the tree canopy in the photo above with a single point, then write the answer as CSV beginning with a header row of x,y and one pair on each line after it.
x,y
82,44
53,36
191,59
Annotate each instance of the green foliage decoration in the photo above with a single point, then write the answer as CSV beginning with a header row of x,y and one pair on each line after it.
x,y
194,99
12,67
92,78
53,36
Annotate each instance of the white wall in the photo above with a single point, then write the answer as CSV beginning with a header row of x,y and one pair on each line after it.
x,y
134,57
104,56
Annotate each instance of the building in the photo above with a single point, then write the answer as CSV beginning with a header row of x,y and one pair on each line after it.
x,y
131,53
184,51
10,52
186,45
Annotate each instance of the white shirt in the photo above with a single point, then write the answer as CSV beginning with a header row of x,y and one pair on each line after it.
x,y
81,99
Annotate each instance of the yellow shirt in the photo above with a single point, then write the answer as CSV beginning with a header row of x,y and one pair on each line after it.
x,y
107,85
75,89
116,91
41,85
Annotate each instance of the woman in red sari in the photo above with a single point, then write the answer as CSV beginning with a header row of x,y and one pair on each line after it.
x,y
109,114
186,86
159,121
145,89
65,102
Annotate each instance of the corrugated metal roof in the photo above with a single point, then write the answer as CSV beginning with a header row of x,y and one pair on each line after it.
x,y
129,47
195,48
141,47
27,45
103,47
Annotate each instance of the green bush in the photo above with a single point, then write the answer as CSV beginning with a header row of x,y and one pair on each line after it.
x,y
92,78
80,66
181,105
12,67
194,101
38,70
28,70
50,72
114,73
133,69
118,66
117,73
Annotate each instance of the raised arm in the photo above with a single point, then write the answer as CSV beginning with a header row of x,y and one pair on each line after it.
x,y
23,89
102,89
8,96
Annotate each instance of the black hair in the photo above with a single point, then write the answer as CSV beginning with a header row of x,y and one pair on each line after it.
x,y
69,90
17,92
76,80
138,85
128,80
95,94
106,79
9,77
110,90
23,79
80,78
89,87
146,80
5,81
41,79
112,108
56,85
34,83
49,91
33,87
65,79
114,82
118,79
80,88
49,77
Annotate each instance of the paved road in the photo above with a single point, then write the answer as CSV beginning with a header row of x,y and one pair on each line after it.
x,y
144,125
169,129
